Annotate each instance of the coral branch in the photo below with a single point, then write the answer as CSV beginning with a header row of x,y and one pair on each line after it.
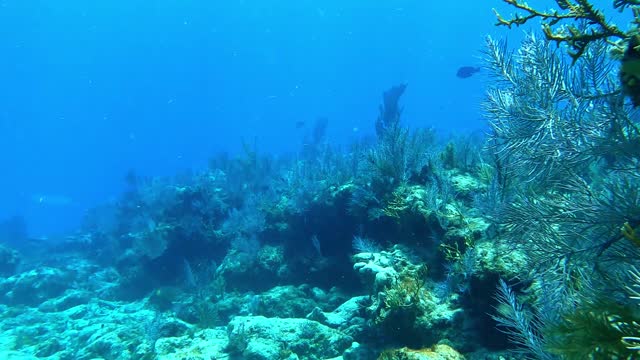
x,y
593,24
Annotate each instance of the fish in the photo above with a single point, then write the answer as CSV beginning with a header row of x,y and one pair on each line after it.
x,y
467,71
51,200
300,124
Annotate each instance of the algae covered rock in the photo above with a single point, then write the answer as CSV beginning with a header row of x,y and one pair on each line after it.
x,y
203,345
498,258
33,287
349,317
465,184
66,301
375,269
254,267
260,338
286,301
436,352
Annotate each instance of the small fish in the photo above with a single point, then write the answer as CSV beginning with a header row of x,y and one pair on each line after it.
x,y
51,200
467,71
300,124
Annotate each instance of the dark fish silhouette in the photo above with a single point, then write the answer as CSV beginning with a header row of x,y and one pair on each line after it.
x,y
300,124
467,71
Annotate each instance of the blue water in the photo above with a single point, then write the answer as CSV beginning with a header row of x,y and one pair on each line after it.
x,y
93,89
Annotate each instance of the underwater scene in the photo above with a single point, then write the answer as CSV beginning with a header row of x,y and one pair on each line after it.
x,y
282,180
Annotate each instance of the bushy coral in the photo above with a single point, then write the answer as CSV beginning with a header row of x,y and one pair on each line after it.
x,y
580,186
565,134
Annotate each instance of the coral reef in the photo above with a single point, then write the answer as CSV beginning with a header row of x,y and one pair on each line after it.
x,y
391,249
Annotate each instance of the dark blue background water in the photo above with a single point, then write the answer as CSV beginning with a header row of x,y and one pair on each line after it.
x,y
91,89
